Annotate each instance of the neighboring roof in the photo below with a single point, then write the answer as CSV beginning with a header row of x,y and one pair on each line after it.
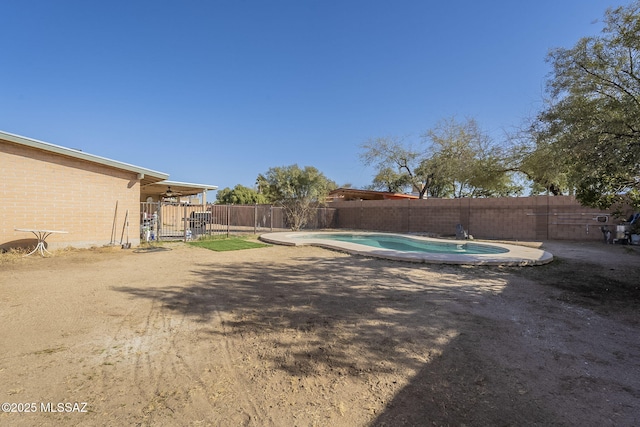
x,y
354,194
148,176
184,188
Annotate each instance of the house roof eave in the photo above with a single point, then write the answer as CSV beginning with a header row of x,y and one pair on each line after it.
x,y
147,176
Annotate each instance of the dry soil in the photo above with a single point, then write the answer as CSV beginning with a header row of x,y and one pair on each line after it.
x,y
302,336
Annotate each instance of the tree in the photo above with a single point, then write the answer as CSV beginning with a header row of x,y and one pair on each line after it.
x,y
592,121
396,162
538,160
298,191
389,180
453,160
464,161
240,195
435,173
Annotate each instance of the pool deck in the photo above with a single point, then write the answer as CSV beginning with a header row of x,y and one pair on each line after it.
x,y
517,255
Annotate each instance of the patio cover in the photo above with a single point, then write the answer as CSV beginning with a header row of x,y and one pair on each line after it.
x,y
158,189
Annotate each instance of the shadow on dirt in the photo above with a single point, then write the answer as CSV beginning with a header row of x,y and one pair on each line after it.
x,y
371,319
600,288
317,297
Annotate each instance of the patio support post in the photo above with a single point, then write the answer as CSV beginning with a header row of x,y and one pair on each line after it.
x,y
185,222
158,222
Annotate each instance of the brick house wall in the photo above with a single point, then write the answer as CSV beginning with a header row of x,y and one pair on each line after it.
x,y
520,218
41,189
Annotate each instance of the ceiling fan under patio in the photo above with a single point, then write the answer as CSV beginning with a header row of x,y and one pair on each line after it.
x,y
169,193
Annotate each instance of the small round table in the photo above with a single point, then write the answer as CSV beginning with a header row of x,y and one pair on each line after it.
x,y
41,235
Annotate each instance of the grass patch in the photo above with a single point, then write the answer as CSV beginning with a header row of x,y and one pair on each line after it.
x,y
221,244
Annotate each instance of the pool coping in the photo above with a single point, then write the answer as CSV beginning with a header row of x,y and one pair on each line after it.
x,y
517,255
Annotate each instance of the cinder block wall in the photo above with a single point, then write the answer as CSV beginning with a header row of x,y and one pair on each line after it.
x,y
49,191
522,218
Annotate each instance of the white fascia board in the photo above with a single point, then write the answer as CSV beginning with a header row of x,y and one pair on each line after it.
x,y
189,184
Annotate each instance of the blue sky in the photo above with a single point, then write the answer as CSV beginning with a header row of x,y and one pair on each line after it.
x,y
216,92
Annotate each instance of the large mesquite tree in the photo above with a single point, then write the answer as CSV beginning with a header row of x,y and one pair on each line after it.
x,y
592,122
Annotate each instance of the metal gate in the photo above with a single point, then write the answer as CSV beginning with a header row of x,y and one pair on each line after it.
x,y
174,221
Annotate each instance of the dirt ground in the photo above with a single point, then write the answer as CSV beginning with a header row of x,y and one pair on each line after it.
x,y
302,336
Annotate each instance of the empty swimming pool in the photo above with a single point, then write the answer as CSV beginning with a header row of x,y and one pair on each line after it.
x,y
415,248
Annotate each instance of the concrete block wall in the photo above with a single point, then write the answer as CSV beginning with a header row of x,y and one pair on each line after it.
x,y
437,216
534,218
44,190
384,216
